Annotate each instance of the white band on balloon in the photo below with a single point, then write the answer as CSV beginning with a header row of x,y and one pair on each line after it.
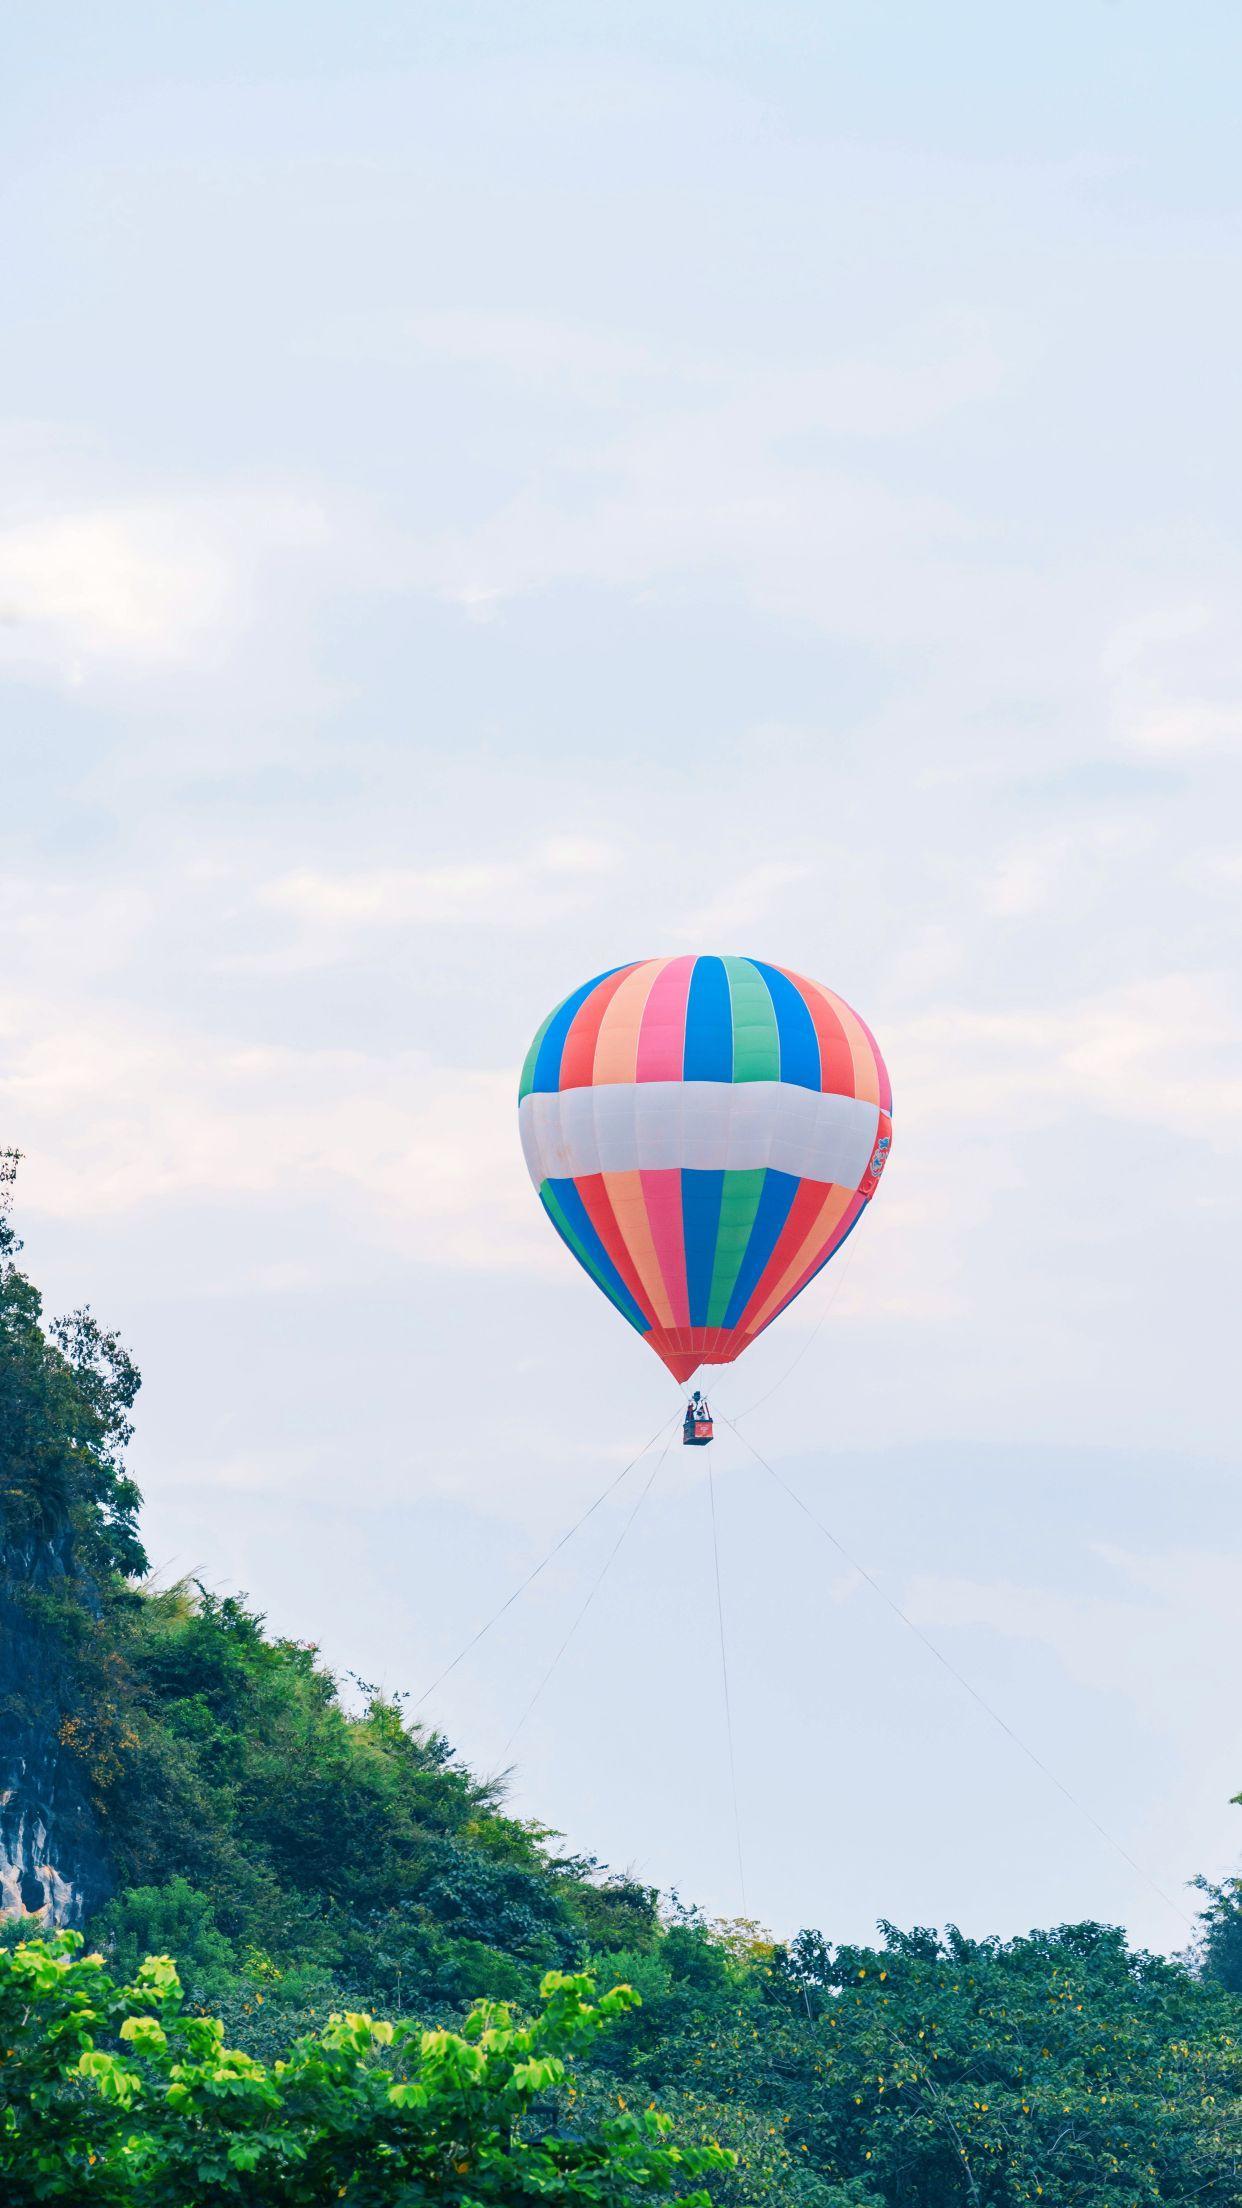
x,y
737,1126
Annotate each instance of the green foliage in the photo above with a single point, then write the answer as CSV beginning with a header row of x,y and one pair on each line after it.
x,y
351,1842
1220,1920
65,1396
167,1920
1060,2068
111,2093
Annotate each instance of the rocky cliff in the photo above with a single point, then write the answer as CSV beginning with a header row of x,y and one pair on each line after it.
x,y
67,1531
52,1856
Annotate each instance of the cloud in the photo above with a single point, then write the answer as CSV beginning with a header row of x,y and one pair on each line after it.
x,y
115,584
142,584
1165,1053
521,346
556,877
704,494
1032,876
1195,726
115,1115
1177,679
738,905
56,928
398,896
928,370
672,462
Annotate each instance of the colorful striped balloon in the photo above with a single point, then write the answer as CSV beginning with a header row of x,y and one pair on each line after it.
x,y
704,1133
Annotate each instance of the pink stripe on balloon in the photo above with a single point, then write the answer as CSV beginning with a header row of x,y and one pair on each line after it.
x,y
662,1036
662,1195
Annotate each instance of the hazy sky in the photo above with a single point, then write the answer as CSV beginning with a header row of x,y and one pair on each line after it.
x,y
492,493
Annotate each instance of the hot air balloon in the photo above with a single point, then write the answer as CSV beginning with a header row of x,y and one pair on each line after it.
x,y
704,1133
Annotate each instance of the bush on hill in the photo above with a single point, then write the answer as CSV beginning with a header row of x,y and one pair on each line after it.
x,y
114,2095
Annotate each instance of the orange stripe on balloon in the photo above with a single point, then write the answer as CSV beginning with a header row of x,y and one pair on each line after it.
x,y
629,1207
836,1203
578,1053
862,1049
616,1048
886,1086
822,1257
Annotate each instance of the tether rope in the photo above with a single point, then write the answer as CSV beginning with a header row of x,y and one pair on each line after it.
x,y
724,1680
542,1566
1107,1837
820,1322
600,1577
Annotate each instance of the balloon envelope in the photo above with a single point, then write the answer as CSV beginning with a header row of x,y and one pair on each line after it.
x,y
704,1133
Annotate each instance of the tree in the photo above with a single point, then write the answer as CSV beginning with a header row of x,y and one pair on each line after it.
x,y
66,1391
112,2094
1061,2068
1219,1946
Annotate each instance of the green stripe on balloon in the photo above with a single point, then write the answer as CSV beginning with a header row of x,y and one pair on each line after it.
x,y
527,1082
756,1037
739,1201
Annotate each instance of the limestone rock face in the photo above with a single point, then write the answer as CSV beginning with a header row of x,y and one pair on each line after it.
x,y
53,1861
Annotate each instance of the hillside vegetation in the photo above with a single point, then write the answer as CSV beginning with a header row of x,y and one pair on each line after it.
x,y
298,1860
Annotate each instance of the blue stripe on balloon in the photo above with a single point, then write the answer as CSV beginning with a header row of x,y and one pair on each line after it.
x,y
709,1030
589,1250
775,1201
795,1028
547,1073
700,1213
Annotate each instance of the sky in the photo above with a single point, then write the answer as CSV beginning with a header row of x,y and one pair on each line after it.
x,y
487,495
